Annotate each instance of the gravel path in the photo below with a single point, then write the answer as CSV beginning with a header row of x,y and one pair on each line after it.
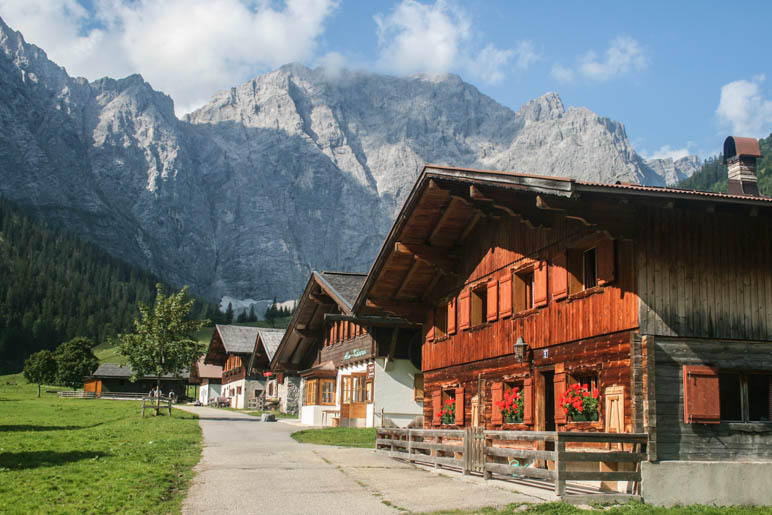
x,y
250,466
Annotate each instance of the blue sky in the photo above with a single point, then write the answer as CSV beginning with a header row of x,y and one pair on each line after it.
x,y
680,76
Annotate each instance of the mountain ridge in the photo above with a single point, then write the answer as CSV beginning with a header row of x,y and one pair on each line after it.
x,y
291,171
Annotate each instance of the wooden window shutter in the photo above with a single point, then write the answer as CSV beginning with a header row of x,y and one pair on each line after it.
x,y
493,300
452,316
436,406
605,264
463,310
430,326
540,285
505,296
528,401
560,388
559,274
497,393
701,395
459,406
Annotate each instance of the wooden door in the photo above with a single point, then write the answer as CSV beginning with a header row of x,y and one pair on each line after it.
x,y
354,396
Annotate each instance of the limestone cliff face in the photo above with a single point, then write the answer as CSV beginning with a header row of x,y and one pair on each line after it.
x,y
292,171
675,170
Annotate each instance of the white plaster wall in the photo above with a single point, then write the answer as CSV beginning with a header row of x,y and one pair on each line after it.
x,y
208,392
393,392
230,389
706,482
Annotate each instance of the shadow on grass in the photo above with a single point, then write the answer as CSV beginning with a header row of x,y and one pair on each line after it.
x,y
35,459
11,428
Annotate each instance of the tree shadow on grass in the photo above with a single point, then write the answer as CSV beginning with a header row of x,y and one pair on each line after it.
x,y
13,428
35,459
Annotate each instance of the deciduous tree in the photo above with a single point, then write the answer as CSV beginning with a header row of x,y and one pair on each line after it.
x,y
162,342
40,368
75,360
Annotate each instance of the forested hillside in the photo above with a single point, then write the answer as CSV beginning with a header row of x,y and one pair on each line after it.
x,y
54,287
712,176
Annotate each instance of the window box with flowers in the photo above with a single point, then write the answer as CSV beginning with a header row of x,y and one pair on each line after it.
x,y
448,412
580,403
512,406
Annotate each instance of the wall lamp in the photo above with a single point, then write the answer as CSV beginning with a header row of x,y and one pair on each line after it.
x,y
520,348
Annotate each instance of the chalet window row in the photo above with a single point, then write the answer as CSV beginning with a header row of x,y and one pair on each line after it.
x,y
320,391
341,331
571,271
713,395
523,387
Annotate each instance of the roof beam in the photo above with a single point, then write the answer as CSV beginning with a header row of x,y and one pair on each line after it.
x,y
470,225
436,257
406,280
412,311
449,209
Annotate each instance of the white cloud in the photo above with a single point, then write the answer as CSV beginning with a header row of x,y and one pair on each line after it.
x,y
438,38
561,73
186,48
333,64
666,151
623,55
744,108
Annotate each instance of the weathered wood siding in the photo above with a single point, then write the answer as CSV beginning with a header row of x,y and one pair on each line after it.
x,y
676,440
616,358
703,274
493,251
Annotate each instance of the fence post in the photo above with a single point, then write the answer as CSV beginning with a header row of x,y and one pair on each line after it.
x,y
410,457
438,441
468,442
488,442
560,467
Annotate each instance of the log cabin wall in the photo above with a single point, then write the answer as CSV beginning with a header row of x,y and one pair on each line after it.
x,y
675,439
704,274
615,359
495,251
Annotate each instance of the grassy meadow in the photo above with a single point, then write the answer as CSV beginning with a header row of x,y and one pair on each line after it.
x,y
341,436
91,456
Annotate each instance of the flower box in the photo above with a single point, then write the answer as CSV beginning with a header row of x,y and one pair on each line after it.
x,y
579,403
585,417
512,407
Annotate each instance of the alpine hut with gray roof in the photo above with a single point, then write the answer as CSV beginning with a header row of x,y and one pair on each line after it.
x,y
356,371
232,347
115,378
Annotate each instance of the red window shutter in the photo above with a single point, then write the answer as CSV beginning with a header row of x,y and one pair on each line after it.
x,y
605,250
452,316
560,388
497,392
280,378
436,406
540,285
528,401
505,296
701,395
493,300
459,406
430,326
559,274
463,310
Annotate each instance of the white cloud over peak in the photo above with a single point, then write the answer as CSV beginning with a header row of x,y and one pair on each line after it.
x,y
186,48
623,56
666,151
438,38
744,108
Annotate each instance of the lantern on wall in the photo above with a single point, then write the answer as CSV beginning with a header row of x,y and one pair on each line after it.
x,y
520,348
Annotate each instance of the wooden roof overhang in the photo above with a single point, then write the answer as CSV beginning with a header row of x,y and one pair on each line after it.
x,y
446,204
306,329
215,353
324,370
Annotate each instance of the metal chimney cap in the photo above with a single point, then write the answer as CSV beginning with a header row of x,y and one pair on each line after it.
x,y
740,147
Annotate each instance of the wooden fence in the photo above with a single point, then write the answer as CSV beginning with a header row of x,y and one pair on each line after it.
x,y
79,394
150,403
530,454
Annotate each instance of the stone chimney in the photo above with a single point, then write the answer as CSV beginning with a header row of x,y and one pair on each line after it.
x,y
740,156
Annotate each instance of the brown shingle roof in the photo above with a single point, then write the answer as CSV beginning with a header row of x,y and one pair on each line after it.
x,y
124,372
271,339
345,284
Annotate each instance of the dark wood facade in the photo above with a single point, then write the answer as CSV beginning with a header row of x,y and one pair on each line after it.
x,y
602,283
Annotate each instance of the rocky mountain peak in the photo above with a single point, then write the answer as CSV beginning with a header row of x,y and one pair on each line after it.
x,y
549,106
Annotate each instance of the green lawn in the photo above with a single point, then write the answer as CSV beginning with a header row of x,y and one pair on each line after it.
x,y
94,456
560,508
342,436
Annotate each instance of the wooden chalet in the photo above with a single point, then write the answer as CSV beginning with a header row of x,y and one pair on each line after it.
x,y
356,371
209,380
281,390
115,378
658,299
231,348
